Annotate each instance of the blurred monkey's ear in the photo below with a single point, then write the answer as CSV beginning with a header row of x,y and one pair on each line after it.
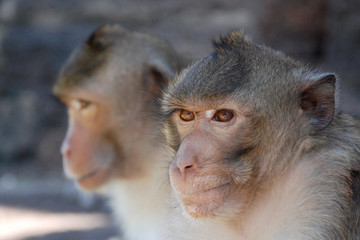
x,y
159,74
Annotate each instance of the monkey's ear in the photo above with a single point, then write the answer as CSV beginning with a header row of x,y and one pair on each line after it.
x,y
159,74
318,100
157,81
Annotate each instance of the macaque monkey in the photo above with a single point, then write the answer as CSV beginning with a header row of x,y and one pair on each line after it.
x,y
111,86
260,150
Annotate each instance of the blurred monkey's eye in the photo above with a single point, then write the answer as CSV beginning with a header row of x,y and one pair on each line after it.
x,y
187,115
86,108
223,115
80,104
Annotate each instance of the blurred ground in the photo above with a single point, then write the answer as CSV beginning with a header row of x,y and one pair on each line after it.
x,y
34,205
20,221
37,36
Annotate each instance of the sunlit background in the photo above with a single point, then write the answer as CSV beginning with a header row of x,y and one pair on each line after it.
x,y
36,37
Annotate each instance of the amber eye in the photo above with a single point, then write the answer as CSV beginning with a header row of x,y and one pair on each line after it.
x,y
187,115
82,104
223,115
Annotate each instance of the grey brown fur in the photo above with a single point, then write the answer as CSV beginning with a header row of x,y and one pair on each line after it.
x,y
111,85
276,88
112,41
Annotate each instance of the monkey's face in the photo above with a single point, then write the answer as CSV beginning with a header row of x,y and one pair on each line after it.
x,y
237,117
210,169
87,150
108,133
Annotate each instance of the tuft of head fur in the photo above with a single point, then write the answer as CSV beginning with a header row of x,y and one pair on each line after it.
x,y
232,39
104,36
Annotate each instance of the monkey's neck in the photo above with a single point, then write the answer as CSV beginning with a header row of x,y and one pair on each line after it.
x,y
139,204
291,207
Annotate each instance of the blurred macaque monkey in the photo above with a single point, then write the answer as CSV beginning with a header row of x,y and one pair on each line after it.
x,y
111,86
260,150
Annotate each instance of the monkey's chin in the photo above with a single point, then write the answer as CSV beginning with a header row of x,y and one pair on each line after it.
x,y
205,204
93,180
201,210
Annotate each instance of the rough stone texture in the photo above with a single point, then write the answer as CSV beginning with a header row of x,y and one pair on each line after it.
x,y
37,36
297,27
343,50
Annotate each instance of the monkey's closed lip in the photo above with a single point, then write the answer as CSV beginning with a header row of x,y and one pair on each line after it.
x,y
218,187
89,175
207,191
204,202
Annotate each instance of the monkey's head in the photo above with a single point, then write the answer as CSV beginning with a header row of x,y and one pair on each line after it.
x,y
110,86
234,118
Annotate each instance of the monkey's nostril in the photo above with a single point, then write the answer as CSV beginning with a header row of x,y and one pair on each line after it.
x,y
185,169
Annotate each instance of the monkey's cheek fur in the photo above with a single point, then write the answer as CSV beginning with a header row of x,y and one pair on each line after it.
x,y
206,203
94,179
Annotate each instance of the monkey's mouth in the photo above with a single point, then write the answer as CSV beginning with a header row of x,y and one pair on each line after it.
x,y
88,175
94,179
203,203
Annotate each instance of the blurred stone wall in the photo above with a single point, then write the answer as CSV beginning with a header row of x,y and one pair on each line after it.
x,y
324,33
37,36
